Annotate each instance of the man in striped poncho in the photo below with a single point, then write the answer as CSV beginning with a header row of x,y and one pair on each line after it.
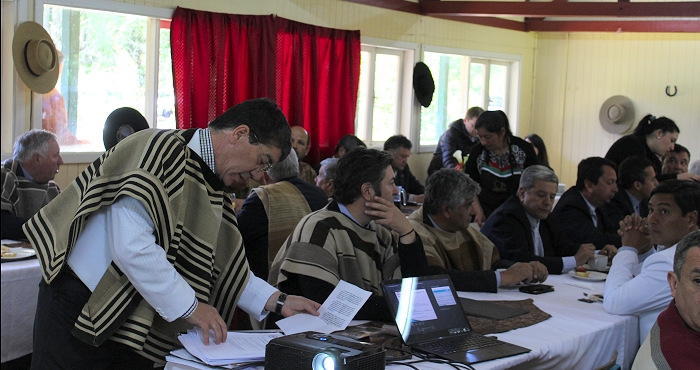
x,y
144,244
359,237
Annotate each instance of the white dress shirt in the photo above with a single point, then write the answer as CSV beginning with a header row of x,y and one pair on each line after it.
x,y
631,290
568,262
124,233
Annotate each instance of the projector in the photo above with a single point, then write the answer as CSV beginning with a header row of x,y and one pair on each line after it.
x,y
316,351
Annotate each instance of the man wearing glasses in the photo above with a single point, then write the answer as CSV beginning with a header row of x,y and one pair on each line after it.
x,y
145,245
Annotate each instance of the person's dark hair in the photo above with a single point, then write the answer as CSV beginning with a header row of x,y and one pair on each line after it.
x,y
631,170
538,143
537,172
678,148
649,124
33,141
592,169
266,121
396,142
359,166
448,187
686,194
494,121
349,142
691,240
286,168
474,112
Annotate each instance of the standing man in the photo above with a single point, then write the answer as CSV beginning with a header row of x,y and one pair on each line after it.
x,y
636,180
676,161
301,143
522,230
461,135
27,180
399,147
454,248
637,281
144,245
359,237
326,175
578,210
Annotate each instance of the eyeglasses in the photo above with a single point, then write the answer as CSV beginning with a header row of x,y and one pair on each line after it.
x,y
267,165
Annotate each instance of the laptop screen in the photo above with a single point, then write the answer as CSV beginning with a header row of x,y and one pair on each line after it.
x,y
425,308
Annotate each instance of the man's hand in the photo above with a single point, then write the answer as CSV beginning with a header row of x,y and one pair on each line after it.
x,y
637,239
207,318
585,252
389,215
609,250
293,305
688,176
539,272
517,273
633,222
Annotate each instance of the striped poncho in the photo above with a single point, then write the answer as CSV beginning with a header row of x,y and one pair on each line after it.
x,y
194,223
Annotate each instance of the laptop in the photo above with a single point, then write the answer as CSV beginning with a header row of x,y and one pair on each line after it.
x,y
430,318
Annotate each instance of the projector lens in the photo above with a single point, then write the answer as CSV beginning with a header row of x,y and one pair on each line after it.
x,y
323,361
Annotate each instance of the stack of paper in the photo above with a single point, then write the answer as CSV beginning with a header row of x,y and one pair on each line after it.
x,y
239,347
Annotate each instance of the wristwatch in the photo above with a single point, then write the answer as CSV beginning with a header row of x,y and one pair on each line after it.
x,y
280,302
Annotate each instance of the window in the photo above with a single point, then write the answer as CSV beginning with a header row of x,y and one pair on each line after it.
x,y
462,81
112,59
384,94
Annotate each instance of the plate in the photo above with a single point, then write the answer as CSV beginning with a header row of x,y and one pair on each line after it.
x,y
588,268
22,253
594,276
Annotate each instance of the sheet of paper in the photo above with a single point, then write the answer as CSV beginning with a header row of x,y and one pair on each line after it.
x,y
239,347
335,313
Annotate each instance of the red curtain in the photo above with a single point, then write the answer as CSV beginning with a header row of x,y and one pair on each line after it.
x,y
311,72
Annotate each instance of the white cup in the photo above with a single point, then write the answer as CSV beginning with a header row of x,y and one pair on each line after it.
x,y
598,262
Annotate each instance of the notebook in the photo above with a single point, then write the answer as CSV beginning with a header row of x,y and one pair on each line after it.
x,y
430,318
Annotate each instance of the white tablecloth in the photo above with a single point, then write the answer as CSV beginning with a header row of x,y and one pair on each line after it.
x,y
579,335
20,287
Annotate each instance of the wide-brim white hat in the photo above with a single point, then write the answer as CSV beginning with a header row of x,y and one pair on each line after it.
x,y
35,57
617,114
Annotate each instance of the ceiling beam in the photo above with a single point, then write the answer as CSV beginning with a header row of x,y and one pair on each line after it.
x,y
538,25
489,21
560,9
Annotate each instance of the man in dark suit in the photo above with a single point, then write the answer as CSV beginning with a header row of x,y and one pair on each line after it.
x,y
522,230
399,147
578,209
636,180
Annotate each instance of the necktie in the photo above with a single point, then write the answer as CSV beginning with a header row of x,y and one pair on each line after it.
x,y
537,240
595,219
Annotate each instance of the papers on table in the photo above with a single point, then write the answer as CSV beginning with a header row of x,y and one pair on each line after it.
x,y
335,313
239,347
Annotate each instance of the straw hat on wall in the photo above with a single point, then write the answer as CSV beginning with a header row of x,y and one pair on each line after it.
x,y
35,57
617,114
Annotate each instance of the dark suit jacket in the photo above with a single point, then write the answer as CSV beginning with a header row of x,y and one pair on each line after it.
x,y
409,182
634,144
621,206
455,138
253,223
575,220
509,229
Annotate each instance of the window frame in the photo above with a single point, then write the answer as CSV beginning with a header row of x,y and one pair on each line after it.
x,y
154,15
514,64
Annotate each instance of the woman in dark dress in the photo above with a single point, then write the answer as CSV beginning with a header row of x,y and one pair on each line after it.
x,y
652,138
497,162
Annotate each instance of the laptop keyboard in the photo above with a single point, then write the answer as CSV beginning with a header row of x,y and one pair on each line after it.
x,y
446,347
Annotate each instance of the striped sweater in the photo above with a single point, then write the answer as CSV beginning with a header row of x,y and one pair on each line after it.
x,y
194,223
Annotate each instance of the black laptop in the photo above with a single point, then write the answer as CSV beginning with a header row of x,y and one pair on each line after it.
x,y
429,316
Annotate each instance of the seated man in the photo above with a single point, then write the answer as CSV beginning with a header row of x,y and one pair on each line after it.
x,y
676,161
360,237
636,283
578,209
399,147
272,211
301,143
523,231
27,180
326,174
636,178
674,340
346,144
454,248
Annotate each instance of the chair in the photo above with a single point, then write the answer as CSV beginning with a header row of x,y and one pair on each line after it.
x,y
610,365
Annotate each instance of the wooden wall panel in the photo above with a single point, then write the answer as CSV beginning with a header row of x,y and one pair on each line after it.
x,y
596,66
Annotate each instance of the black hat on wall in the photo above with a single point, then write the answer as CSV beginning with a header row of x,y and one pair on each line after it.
x,y
423,84
121,123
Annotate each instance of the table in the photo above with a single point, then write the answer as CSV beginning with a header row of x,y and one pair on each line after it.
x,y
20,288
579,335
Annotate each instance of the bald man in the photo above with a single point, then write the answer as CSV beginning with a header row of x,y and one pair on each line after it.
x,y
301,142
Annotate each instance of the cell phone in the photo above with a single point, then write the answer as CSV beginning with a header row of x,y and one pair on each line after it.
x,y
537,289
